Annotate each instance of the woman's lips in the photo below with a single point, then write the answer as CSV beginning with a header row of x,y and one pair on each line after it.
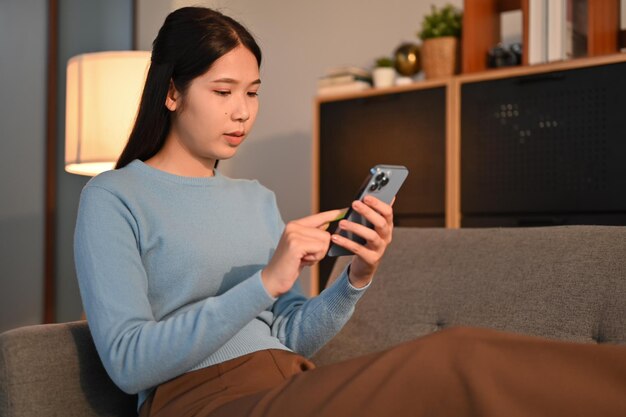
x,y
234,138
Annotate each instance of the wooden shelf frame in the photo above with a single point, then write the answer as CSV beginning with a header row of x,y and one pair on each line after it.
x,y
481,29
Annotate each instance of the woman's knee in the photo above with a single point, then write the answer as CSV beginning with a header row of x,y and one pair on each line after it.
x,y
451,344
455,335
461,334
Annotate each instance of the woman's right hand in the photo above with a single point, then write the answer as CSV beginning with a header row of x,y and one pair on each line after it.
x,y
304,242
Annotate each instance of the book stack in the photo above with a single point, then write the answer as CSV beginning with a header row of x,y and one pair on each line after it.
x,y
344,80
557,30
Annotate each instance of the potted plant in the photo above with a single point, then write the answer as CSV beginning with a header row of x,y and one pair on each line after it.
x,y
384,72
441,30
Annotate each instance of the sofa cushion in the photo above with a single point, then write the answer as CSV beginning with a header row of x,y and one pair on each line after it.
x,y
54,370
566,282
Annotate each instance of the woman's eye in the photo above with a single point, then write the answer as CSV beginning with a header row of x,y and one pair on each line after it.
x,y
253,94
222,93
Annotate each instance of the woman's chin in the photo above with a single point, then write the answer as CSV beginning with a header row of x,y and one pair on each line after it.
x,y
225,154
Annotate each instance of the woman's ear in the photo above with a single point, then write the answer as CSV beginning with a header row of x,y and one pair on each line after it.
x,y
171,101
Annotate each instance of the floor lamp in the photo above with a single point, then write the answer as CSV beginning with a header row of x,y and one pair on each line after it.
x,y
103,93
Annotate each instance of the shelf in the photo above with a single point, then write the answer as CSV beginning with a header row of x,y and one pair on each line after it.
x,y
374,91
476,76
539,68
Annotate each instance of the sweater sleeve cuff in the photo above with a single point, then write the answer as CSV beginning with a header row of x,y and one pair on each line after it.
x,y
253,291
257,281
347,273
342,296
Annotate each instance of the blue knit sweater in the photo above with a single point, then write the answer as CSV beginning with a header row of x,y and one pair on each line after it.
x,y
169,270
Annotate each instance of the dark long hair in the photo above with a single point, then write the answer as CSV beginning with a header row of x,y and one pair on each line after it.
x,y
189,42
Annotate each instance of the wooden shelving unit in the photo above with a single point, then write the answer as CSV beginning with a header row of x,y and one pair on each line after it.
x,y
453,87
481,29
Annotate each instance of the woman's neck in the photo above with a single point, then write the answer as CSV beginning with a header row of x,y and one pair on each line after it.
x,y
174,159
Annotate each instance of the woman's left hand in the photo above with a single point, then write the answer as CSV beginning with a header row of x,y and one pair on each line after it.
x,y
368,256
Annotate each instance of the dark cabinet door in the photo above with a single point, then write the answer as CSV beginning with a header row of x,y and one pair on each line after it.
x,y
404,128
547,148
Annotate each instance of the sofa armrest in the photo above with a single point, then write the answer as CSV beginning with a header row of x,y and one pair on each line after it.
x,y
54,369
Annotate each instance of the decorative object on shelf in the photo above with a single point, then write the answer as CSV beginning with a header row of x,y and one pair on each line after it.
x,y
407,59
342,80
103,93
441,30
404,80
384,74
504,56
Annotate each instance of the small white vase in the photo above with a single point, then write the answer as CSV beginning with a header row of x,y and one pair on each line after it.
x,y
383,76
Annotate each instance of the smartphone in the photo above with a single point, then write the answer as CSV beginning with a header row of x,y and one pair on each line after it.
x,y
382,182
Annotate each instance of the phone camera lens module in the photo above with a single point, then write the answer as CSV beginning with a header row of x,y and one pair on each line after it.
x,y
384,181
380,176
374,187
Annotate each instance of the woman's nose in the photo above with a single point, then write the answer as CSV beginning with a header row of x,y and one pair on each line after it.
x,y
241,111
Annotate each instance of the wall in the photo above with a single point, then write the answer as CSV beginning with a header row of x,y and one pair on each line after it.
x,y
84,26
23,27
150,17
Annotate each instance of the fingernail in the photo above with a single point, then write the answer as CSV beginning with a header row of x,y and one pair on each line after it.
x,y
335,237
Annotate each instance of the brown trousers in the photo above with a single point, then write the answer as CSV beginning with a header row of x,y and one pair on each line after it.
x,y
455,372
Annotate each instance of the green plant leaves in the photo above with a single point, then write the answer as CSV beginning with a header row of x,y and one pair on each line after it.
x,y
441,22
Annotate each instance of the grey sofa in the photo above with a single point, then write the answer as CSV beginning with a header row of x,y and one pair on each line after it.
x,y
559,282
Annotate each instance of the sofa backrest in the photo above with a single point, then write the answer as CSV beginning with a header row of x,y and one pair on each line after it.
x,y
560,282
566,282
54,370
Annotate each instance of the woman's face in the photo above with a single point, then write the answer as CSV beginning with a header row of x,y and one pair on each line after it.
x,y
218,109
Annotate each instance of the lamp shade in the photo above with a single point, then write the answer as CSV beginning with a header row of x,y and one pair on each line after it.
x,y
102,98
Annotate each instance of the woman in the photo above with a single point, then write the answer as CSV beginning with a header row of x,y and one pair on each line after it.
x,y
188,278
181,268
